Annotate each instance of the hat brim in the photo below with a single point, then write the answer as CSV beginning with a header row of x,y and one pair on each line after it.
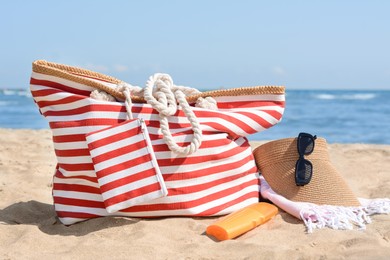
x,y
276,162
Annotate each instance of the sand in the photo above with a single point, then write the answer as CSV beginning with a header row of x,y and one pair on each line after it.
x,y
29,228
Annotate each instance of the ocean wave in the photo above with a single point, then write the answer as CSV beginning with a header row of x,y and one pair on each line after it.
x,y
357,96
325,96
15,92
7,103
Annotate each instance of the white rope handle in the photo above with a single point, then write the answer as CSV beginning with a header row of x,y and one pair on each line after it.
x,y
127,90
163,96
160,85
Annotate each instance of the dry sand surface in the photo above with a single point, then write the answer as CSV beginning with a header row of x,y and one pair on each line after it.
x,y
29,228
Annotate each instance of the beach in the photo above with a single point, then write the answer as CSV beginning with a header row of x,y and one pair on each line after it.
x,y
29,228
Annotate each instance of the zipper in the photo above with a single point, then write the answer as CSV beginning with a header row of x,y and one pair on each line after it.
x,y
141,122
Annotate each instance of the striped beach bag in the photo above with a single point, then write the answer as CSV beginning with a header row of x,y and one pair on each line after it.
x,y
161,150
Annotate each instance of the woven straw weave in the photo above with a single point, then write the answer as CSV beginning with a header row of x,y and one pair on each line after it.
x,y
276,161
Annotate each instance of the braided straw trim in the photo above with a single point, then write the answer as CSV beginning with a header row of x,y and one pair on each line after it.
x,y
75,74
84,76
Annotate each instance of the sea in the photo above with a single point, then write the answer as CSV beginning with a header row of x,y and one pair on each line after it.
x,y
340,116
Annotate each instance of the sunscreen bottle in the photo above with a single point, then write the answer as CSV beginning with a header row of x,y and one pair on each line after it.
x,y
242,221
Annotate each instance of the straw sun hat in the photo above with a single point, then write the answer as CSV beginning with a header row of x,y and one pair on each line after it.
x,y
276,161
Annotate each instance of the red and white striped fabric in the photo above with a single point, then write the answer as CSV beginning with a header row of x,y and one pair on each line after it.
x,y
219,178
125,165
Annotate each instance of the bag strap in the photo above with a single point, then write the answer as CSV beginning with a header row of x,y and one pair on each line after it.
x,y
164,96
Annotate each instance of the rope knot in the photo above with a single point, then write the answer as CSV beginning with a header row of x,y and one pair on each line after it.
x,y
158,93
207,102
164,96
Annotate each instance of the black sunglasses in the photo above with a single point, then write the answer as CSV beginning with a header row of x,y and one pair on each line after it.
x,y
303,167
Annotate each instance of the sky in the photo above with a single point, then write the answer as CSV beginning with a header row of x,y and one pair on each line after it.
x,y
333,44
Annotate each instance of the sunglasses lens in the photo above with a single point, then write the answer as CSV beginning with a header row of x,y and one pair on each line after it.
x,y
305,144
303,172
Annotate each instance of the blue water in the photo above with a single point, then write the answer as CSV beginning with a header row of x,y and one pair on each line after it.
x,y
339,116
18,110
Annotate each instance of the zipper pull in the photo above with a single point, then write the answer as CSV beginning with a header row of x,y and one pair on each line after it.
x,y
142,124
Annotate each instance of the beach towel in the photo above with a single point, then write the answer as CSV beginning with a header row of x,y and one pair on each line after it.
x,y
328,216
